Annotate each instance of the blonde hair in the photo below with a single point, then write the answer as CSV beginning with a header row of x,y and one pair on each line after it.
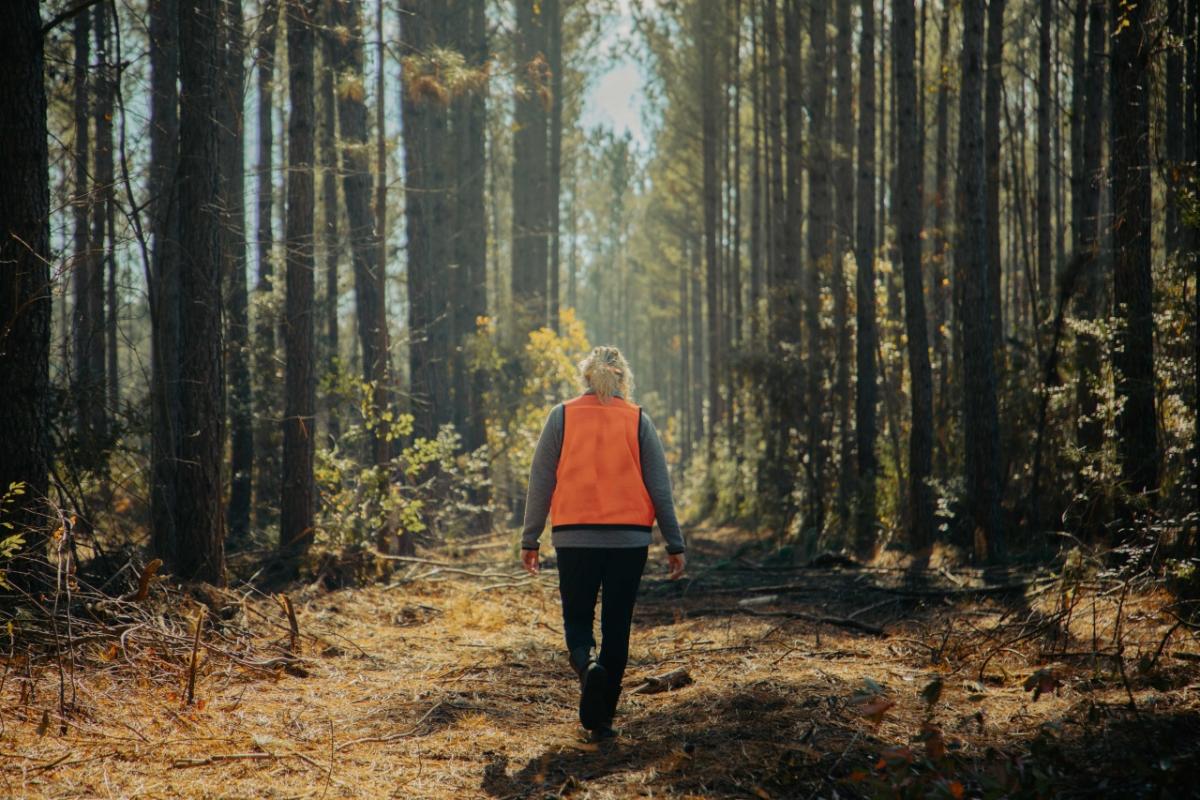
x,y
606,372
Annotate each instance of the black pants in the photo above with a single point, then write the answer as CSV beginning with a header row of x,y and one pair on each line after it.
x,y
584,571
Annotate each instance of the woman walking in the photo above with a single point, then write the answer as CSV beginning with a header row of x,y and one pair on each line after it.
x,y
600,473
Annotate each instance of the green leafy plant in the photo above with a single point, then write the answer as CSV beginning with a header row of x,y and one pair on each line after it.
x,y
11,541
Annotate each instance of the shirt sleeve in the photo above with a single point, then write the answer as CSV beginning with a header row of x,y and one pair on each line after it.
x,y
658,485
543,475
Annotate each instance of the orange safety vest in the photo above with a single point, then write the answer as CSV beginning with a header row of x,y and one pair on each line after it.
x,y
599,479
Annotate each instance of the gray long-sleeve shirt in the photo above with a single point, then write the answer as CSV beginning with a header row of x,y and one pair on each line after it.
x,y
543,476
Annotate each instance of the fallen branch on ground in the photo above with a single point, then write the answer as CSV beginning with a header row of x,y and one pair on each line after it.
x,y
838,622
674,679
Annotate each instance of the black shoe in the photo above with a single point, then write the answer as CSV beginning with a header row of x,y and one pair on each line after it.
x,y
593,697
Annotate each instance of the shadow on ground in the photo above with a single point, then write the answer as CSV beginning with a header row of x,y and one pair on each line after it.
x,y
783,738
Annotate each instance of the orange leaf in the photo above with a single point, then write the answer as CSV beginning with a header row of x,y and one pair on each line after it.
x,y
956,790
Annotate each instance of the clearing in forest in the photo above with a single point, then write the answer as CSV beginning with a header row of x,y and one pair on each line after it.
x,y
820,680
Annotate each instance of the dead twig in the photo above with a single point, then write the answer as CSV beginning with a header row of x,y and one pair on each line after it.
x,y
191,687
391,737
838,622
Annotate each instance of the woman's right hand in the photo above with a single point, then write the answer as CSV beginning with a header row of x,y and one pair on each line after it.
x,y
676,562
529,559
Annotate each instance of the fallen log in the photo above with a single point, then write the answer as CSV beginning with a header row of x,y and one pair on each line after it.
x,y
838,622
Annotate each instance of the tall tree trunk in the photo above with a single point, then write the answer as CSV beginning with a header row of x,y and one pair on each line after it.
x,y
365,249
1078,93
1192,239
784,268
428,173
89,287
330,246
1173,133
818,259
843,243
908,193
382,341
554,31
531,107
299,421
266,400
979,369
1045,267
241,413
992,115
867,338
941,251
199,524
697,387
470,256
685,380
104,215
83,323
165,267
25,300
711,91
1089,427
1129,157
757,227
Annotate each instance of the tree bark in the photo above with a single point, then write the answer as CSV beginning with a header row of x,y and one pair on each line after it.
x,y
90,329
165,265
266,398
867,338
908,194
1173,129
365,249
992,115
554,31
241,415
104,221
84,321
531,107
1129,159
428,175
711,90
785,217
941,252
819,228
972,258
470,256
25,299
299,423
1089,426
330,244
843,165
199,524
1045,267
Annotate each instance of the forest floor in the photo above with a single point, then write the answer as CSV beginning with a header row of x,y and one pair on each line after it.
x,y
452,682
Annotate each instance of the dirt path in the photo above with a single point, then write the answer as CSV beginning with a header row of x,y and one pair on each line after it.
x,y
453,685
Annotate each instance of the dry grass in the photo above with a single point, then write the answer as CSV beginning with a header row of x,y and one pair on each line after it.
x,y
440,687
